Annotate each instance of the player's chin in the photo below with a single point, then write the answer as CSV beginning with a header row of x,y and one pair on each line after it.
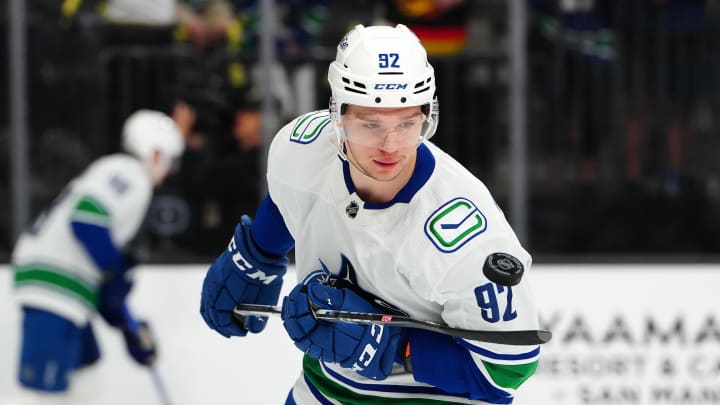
x,y
383,175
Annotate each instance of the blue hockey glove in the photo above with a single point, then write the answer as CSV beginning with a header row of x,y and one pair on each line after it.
x,y
140,342
114,289
370,350
111,297
241,274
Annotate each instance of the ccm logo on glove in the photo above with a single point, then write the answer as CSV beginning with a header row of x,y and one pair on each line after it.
x,y
368,353
244,265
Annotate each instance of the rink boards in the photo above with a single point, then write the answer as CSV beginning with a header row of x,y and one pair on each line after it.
x,y
640,334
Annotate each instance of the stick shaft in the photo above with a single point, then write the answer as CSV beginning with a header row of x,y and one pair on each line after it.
x,y
518,337
160,386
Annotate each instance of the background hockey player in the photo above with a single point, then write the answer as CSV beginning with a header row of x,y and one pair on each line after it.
x,y
381,220
72,261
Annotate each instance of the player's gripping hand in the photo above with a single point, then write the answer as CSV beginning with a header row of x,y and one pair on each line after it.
x,y
140,342
370,350
241,274
114,288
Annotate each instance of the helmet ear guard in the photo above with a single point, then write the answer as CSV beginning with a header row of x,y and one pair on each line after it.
x,y
332,106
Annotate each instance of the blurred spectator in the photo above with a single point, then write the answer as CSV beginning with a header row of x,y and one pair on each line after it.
x,y
137,22
662,50
141,12
207,163
237,23
205,22
582,43
441,25
232,28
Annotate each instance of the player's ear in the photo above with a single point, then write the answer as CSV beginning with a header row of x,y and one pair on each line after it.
x,y
159,169
155,157
154,160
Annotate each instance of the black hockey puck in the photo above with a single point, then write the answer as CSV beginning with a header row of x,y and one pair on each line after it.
x,y
503,269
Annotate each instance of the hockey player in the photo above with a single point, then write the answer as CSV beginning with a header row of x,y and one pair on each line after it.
x,y
381,220
72,261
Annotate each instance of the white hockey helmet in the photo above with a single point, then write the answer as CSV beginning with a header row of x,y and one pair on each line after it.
x,y
383,66
147,131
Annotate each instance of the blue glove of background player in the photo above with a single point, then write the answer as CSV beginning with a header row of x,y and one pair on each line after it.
x,y
111,298
140,342
112,306
370,350
241,274
114,289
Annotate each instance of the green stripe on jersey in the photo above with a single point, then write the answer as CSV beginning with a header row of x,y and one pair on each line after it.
x,y
510,376
91,211
58,280
91,206
331,389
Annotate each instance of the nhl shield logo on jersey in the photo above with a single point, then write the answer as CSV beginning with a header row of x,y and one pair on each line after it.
x,y
454,224
352,209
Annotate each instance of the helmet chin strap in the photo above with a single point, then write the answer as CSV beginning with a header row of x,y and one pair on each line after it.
x,y
345,155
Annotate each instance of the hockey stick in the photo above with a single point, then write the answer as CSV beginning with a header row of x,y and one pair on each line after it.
x,y
147,337
515,337
160,386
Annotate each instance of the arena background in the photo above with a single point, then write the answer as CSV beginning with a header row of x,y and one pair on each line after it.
x,y
594,123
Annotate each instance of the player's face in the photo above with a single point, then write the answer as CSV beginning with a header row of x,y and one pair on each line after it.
x,y
158,167
383,141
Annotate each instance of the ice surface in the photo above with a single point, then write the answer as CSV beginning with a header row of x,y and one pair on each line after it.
x,y
197,365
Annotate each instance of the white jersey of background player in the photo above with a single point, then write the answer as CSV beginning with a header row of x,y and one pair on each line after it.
x,y
71,262
367,199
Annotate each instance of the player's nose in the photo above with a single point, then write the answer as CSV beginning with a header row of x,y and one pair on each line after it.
x,y
391,141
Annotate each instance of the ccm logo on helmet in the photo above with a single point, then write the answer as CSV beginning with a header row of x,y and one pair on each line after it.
x,y
390,86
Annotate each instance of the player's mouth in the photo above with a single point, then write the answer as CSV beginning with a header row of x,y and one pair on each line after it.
x,y
386,163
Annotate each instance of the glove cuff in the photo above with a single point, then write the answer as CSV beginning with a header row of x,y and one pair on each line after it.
x,y
278,263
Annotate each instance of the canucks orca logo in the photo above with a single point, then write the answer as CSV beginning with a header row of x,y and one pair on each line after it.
x,y
346,277
309,126
454,224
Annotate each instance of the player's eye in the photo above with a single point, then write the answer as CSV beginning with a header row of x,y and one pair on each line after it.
x,y
408,124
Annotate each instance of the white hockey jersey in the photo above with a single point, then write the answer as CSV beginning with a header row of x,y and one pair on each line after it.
x,y
53,271
422,253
